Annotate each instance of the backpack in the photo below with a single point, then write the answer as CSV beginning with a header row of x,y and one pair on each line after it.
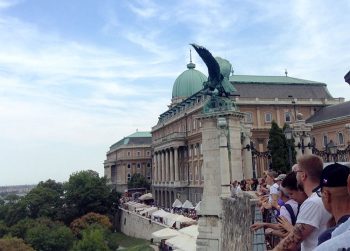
x,y
293,217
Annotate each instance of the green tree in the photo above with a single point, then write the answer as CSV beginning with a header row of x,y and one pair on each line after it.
x,y
45,200
277,147
86,192
14,244
47,235
13,212
20,228
93,240
138,180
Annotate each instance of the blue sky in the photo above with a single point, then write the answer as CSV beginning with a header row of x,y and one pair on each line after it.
x,y
76,76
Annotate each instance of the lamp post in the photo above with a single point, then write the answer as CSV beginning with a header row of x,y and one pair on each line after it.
x,y
302,146
288,134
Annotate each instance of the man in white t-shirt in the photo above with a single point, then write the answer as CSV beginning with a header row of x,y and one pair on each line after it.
x,y
313,217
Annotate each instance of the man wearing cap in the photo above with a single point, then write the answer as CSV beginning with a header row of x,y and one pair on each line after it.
x,y
334,195
313,217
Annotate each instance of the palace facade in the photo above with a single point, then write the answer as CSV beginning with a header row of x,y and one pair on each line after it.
x,y
177,139
171,154
130,155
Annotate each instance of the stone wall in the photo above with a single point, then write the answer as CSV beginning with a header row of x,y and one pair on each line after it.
x,y
237,219
135,225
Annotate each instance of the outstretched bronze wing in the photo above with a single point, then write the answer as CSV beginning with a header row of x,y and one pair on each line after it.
x,y
213,66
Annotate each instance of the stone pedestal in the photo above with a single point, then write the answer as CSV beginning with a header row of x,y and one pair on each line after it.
x,y
301,134
222,162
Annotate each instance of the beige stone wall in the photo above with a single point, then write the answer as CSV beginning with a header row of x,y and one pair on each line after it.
x,y
331,130
138,157
237,219
137,226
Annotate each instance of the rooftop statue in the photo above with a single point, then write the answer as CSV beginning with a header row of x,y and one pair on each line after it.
x,y
219,70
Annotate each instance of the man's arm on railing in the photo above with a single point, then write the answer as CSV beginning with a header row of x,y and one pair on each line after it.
x,y
292,242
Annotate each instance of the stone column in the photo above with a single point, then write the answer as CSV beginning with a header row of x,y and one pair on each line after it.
x,y
154,169
171,162
167,165
234,129
176,160
247,154
163,166
159,168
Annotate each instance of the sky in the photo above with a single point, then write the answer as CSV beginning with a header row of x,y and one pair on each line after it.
x,y
77,76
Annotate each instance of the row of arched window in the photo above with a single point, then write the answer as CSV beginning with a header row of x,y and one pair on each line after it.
x,y
268,117
340,139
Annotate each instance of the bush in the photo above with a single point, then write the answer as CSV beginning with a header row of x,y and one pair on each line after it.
x,y
93,240
14,244
84,222
51,236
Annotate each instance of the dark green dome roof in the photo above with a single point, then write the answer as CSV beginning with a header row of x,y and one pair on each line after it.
x,y
189,82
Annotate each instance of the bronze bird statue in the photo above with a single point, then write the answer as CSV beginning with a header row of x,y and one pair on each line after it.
x,y
219,72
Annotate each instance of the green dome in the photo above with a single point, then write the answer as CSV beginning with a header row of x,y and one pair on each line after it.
x,y
189,82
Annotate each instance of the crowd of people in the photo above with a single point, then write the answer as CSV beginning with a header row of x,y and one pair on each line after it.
x,y
306,209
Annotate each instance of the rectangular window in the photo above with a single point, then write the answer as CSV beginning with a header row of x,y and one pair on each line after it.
x,y
325,140
138,165
287,117
268,117
138,153
129,153
249,117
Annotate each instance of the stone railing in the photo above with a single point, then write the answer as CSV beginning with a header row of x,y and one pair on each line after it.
x,y
239,214
259,243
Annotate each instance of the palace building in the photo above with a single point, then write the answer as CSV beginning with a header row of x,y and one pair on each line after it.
x,y
128,156
176,139
171,154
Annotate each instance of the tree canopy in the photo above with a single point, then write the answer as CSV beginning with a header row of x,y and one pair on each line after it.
x,y
139,181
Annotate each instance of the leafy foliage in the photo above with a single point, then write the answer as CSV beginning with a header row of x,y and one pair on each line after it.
x,y
86,192
14,244
93,240
20,228
138,180
50,236
84,222
45,200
